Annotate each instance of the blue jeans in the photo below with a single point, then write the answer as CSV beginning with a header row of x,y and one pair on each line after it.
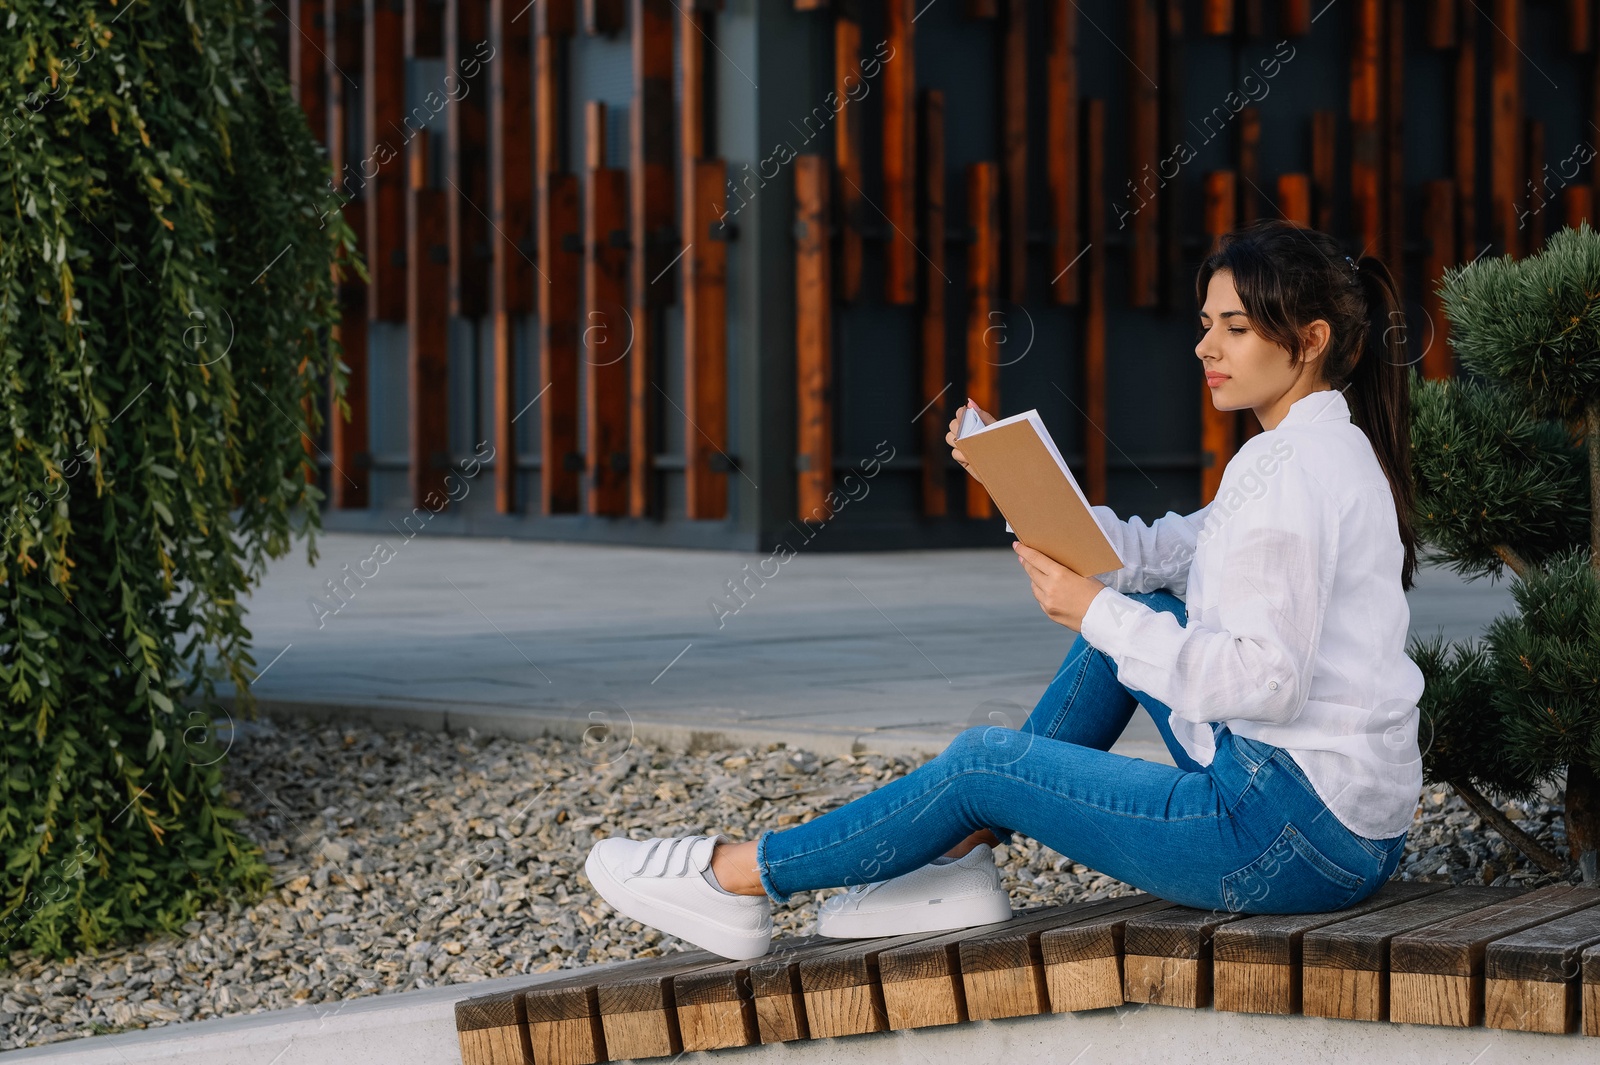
x,y
1246,833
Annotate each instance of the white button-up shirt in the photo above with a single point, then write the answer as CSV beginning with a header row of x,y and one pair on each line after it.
x,y
1296,619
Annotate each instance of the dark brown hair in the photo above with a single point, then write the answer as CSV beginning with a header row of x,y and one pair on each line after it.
x,y
1288,276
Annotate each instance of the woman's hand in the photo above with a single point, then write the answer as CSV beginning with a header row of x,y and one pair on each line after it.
x,y
950,438
1063,594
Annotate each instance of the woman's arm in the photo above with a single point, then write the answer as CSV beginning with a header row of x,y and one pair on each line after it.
x,y
1158,555
1255,658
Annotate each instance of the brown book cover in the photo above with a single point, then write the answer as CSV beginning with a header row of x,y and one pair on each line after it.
x,y
1023,472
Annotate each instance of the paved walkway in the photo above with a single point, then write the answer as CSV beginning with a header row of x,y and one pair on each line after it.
x,y
895,650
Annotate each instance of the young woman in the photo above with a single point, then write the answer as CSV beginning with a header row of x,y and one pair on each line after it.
x,y
1264,633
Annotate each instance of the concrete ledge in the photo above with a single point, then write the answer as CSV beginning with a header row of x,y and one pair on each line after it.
x,y
418,1028
522,722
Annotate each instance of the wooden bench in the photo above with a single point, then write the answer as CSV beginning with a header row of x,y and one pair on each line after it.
x,y
1419,953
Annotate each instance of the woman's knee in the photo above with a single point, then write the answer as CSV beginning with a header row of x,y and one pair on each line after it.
x,y
986,747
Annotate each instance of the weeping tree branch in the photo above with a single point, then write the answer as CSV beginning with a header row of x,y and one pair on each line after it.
x,y
1495,819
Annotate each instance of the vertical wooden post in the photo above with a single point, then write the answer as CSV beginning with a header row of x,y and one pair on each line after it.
x,y
1464,139
847,151
1440,22
466,185
1249,166
1144,152
1295,17
935,385
1176,280
1580,26
1094,313
1014,148
652,201
605,335
1216,17
383,86
1218,430
813,339
1438,221
427,274
511,268
1394,222
347,440
1324,133
1577,205
1505,126
1061,149
560,258
1366,159
308,47
602,16
983,270
705,343
899,154
1294,197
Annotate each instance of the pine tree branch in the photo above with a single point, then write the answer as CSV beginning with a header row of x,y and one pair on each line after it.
x,y
1516,562
1591,415
1495,819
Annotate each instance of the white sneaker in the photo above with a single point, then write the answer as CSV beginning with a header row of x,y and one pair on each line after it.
x,y
945,894
665,883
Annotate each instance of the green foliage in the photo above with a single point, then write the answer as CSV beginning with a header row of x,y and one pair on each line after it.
x,y
1462,725
1533,324
1489,472
165,298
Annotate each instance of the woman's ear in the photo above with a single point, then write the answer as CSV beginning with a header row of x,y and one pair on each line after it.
x,y
1314,339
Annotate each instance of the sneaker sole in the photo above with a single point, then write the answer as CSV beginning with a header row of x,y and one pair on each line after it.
x,y
946,916
735,946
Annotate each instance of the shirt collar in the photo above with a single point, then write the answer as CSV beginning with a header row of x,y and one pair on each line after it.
x,y
1325,405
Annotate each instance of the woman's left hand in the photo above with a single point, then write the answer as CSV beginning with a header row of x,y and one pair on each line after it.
x,y
1063,594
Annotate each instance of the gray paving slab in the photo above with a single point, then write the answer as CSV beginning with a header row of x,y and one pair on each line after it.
x,y
894,650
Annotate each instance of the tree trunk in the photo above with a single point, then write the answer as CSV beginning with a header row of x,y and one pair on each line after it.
x,y
1583,819
1495,819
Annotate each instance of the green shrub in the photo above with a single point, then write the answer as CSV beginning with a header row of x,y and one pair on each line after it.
x,y
166,289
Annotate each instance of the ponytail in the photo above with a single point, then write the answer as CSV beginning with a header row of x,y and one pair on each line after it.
x,y
1380,396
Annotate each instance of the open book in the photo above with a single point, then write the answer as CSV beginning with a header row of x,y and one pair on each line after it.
x,y
1024,473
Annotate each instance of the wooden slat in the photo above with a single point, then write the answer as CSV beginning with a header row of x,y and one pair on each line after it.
x,y
347,440
1176,268
847,130
1083,962
1436,973
1014,149
466,184
383,101
653,244
1094,315
493,1030
705,344
1216,17
716,1004
560,257
602,16
1394,213
779,994
1324,134
1366,135
1506,144
1344,966
1532,979
936,397
639,1014
1438,239
511,269
1061,151
1167,956
1580,26
1464,134
813,339
840,988
1295,17
1439,18
1294,197
1250,207
1531,211
900,154
1256,962
983,268
1577,205
1218,428
564,1021
1591,991
606,337
1144,151
427,274
982,8
308,46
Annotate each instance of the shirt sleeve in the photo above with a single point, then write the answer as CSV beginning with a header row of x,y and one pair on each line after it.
x,y
1158,555
1255,660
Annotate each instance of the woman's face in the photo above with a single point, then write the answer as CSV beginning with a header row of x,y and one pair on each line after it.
x,y
1243,368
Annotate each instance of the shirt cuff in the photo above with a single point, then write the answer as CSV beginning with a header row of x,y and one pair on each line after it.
x,y
1110,622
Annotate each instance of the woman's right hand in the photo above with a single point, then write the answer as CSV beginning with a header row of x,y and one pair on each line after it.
x,y
950,438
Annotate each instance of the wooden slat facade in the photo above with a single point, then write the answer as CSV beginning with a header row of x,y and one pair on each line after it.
x,y
903,232
1516,959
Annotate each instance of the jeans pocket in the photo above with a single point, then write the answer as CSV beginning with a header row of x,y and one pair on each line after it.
x,y
1291,876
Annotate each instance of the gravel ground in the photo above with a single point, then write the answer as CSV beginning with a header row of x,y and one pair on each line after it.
x,y
410,859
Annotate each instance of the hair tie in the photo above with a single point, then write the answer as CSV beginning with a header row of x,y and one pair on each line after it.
x,y
1355,268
